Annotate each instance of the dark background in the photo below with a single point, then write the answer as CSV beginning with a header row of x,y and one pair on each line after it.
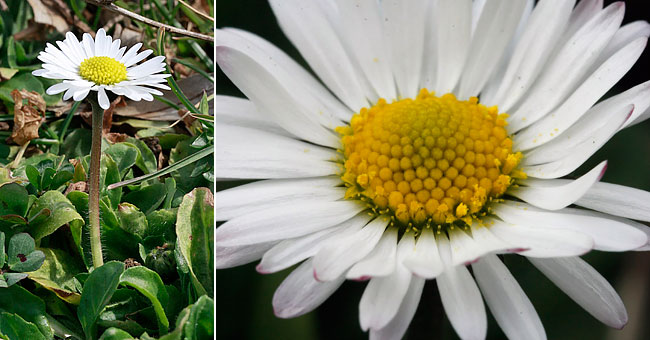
x,y
243,296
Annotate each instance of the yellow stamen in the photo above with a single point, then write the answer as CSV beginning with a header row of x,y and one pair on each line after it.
x,y
429,160
102,70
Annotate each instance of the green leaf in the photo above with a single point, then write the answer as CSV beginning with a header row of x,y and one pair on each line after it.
x,y
162,222
14,199
176,168
124,155
149,284
169,140
12,278
195,236
147,161
20,301
200,324
15,327
97,291
132,219
33,176
62,212
77,143
46,178
57,274
115,334
181,322
22,256
127,306
117,242
148,197
22,81
80,235
182,152
109,174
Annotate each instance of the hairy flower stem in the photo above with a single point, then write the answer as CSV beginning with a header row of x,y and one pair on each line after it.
x,y
93,182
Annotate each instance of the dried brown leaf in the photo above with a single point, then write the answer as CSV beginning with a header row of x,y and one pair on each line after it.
x,y
27,118
46,13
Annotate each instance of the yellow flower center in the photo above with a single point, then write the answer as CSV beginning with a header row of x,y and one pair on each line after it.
x,y
102,70
430,160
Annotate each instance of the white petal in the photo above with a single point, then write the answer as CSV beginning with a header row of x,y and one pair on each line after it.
x,y
587,94
242,112
89,45
598,118
228,257
541,242
396,328
100,42
56,88
364,37
249,153
582,13
68,52
274,58
131,53
404,28
452,20
254,196
340,253
290,221
103,98
381,299
567,67
151,66
641,101
580,151
305,25
554,194
289,252
618,200
487,241
542,32
428,77
494,29
624,36
508,303
425,260
136,58
81,94
309,96
269,95
586,287
383,295
462,300
300,293
380,261
608,234
464,250
114,49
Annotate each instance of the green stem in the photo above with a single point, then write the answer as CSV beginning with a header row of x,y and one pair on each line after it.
x,y
93,183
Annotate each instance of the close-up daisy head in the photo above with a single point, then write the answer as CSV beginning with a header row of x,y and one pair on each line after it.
x,y
101,65
432,139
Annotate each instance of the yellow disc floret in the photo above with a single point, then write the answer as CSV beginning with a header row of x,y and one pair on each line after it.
x,y
102,70
429,160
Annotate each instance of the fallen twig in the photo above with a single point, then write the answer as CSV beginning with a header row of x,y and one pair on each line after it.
x,y
108,4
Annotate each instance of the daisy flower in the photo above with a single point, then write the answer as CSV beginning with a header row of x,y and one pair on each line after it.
x,y
435,138
101,65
